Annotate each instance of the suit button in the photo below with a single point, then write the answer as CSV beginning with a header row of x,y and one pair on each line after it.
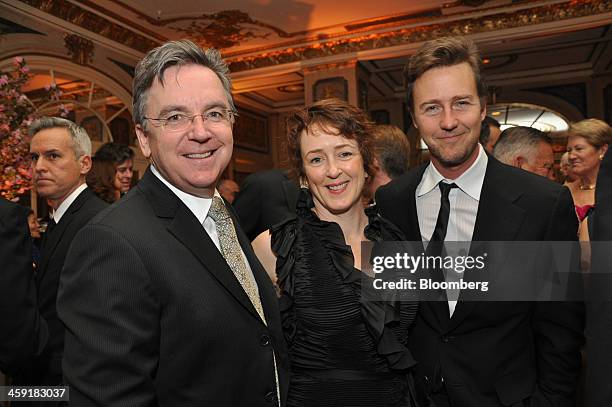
x,y
270,397
445,339
264,340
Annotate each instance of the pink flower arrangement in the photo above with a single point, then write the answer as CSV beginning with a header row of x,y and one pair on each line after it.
x,y
16,114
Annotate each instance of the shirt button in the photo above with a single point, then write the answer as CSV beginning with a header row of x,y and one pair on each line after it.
x,y
445,339
264,340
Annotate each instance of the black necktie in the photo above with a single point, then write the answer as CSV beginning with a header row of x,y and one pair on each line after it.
x,y
439,233
435,247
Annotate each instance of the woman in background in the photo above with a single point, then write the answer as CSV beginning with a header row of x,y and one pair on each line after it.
x,y
343,351
101,180
587,144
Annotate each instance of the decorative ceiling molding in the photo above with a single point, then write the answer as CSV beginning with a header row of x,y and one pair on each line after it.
x,y
103,10
76,15
224,29
229,28
81,50
369,41
328,67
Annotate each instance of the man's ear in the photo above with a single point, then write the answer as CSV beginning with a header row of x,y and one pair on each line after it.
x,y
143,141
603,149
85,164
519,161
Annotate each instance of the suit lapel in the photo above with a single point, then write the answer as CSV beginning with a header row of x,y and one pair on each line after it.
x,y
498,219
409,221
184,226
264,284
432,310
52,241
192,235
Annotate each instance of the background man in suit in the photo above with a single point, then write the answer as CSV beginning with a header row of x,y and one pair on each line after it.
x,y
490,130
22,332
265,199
163,298
480,353
61,157
526,148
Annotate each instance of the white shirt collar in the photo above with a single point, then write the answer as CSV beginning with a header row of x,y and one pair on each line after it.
x,y
197,205
469,182
61,210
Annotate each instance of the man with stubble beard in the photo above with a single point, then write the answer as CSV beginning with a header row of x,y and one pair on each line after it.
x,y
480,353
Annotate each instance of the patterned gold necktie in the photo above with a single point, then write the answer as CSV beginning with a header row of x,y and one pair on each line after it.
x,y
232,252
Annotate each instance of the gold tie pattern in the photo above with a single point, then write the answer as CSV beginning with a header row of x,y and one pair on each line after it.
x,y
232,252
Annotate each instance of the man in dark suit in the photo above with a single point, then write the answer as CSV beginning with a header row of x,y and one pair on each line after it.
x,y
22,332
265,199
61,159
164,301
480,353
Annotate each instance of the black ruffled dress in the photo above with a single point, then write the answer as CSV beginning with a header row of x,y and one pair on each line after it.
x,y
344,352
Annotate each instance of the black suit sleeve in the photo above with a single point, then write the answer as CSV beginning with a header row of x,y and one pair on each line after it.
x,y
558,326
248,206
22,331
106,302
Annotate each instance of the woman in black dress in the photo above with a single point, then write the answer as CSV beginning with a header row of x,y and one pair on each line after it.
x,y
344,351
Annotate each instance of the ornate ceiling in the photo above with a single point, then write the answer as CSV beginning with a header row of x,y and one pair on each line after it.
x,y
269,43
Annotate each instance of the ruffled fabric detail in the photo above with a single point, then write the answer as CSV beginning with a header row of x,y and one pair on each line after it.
x,y
382,318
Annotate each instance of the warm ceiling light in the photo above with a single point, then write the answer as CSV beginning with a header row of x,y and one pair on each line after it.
x,y
496,114
486,61
292,88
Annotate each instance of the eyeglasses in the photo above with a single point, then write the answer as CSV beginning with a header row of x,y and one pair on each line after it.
x,y
181,121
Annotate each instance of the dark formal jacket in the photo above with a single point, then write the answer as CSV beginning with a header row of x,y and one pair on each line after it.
x,y
22,331
47,368
265,199
497,353
599,305
155,316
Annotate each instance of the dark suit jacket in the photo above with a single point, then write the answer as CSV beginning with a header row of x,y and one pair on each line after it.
x,y
155,316
22,331
265,199
599,310
498,353
47,368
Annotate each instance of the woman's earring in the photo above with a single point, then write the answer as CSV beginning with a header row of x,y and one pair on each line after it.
x,y
303,183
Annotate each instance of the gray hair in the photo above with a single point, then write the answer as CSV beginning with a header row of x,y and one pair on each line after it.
x,y
175,53
81,144
519,140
